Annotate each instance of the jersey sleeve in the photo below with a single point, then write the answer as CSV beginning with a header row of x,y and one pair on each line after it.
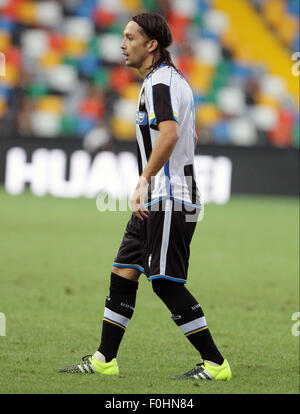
x,y
164,101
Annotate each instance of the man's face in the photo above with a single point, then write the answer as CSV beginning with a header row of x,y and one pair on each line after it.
x,y
134,46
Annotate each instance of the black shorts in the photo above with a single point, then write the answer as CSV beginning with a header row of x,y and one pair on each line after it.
x,y
159,246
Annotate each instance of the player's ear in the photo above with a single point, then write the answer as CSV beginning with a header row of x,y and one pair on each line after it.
x,y
152,45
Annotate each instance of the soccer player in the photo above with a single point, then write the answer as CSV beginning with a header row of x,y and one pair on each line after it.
x,y
165,205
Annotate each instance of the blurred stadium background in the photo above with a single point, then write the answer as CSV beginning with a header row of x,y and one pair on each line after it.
x,y
65,79
67,128
64,71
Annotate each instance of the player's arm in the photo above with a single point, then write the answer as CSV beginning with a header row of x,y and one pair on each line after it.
x,y
163,148
161,152
195,141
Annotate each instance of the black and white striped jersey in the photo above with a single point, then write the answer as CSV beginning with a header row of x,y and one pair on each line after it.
x,y
165,95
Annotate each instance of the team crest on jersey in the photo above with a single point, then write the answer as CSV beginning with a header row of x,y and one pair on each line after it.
x,y
141,118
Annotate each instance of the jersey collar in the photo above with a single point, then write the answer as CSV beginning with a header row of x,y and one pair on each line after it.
x,y
154,70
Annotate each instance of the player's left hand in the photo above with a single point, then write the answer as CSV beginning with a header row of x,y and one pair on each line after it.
x,y
138,198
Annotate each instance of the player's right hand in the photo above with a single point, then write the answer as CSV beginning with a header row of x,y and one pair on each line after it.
x,y
137,201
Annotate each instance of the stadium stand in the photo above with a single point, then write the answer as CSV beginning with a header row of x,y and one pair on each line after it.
x,y
65,75
282,18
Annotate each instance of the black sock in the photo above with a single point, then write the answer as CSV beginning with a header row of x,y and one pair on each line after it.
x,y
118,311
188,316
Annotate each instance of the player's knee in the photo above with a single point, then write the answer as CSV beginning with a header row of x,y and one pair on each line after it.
x,y
127,273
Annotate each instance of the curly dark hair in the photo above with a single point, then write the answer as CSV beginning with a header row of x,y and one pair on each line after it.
x,y
155,26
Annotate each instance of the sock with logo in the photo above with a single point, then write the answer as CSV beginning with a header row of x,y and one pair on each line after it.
x,y
119,308
188,316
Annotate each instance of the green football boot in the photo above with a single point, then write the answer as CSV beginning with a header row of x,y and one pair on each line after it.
x,y
207,371
90,365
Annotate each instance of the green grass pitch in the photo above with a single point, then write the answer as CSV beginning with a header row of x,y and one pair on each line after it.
x,y
55,262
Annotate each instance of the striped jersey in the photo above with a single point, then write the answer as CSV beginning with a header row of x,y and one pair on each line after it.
x,y
165,95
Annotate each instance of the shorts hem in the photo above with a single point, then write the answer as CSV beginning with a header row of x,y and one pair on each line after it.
x,y
173,279
129,266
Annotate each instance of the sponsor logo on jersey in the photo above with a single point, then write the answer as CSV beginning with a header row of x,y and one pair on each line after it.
x,y
141,118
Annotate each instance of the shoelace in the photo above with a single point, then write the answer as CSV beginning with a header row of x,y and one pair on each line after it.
x,y
86,364
86,357
198,367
